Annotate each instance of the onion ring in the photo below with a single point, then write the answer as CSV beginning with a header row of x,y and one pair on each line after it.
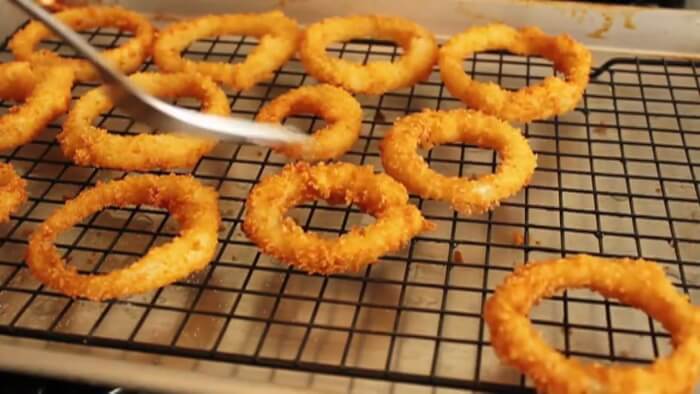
x,y
92,146
193,205
342,113
339,183
416,63
13,191
46,93
279,39
127,58
637,283
551,97
468,196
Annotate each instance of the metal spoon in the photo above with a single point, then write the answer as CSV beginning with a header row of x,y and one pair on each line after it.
x,y
157,113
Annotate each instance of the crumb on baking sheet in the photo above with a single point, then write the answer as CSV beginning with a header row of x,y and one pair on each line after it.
x,y
518,238
602,128
457,257
379,116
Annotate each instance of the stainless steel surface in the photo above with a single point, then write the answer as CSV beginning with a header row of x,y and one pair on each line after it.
x,y
618,177
157,113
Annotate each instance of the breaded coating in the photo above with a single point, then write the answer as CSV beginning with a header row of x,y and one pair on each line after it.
x,y
552,96
194,206
127,57
341,111
279,39
89,145
399,152
376,77
44,93
266,223
638,283
13,191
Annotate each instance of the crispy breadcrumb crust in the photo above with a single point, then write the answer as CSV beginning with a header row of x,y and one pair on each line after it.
x,y
127,57
341,112
553,96
266,223
279,39
376,77
638,283
468,196
44,94
194,206
90,145
13,191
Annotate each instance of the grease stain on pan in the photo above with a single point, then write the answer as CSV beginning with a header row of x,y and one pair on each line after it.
x,y
582,11
608,22
283,3
166,17
629,21
469,11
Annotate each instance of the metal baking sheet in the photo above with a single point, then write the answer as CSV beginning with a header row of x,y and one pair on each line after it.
x,y
618,176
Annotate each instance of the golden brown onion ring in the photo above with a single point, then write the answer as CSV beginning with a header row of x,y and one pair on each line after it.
x,y
637,283
468,196
553,96
13,191
195,207
342,113
93,146
127,58
267,225
45,93
416,63
279,38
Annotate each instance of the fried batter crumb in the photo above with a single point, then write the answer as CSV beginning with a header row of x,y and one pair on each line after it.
x,y
379,116
457,257
602,128
518,238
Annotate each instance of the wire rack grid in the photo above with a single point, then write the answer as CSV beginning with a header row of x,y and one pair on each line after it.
x,y
617,177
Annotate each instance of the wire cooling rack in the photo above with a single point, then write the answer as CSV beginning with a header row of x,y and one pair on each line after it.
x,y
617,177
